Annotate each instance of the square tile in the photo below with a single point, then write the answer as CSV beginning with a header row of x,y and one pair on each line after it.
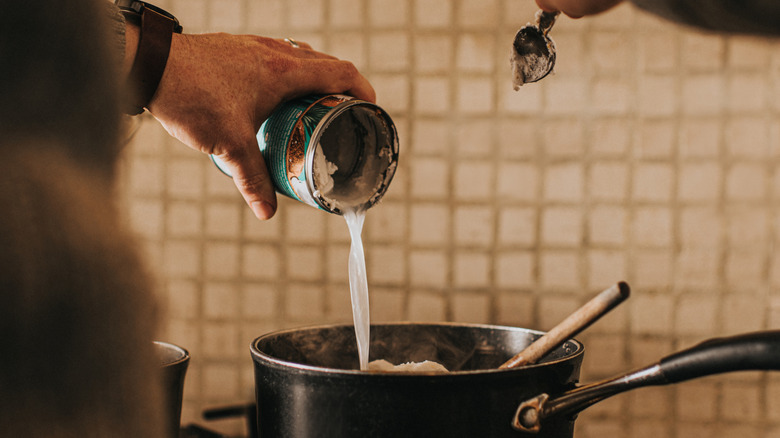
x,y
606,267
516,309
652,226
430,178
700,138
221,260
386,265
748,138
701,227
703,52
433,14
181,259
471,308
561,227
306,14
652,182
432,95
515,270
304,301
517,138
259,301
474,53
746,182
563,138
702,94
471,270
389,51
388,13
608,225
517,226
433,53
565,96
700,181
346,14
657,139
428,269
430,224
427,307
477,14
473,180
564,182
475,95
559,269
261,262
220,300
653,268
474,226
517,182
608,181
610,137
223,220
304,263
475,138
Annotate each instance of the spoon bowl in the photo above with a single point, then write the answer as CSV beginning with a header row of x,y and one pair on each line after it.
x,y
533,51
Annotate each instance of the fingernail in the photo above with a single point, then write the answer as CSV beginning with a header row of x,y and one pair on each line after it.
x,y
263,210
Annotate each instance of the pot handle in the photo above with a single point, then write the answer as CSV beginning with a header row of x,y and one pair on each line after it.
x,y
753,351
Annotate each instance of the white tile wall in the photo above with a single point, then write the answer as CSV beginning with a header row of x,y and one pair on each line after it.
x,y
651,155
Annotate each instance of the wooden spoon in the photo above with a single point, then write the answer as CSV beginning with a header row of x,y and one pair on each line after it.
x,y
572,325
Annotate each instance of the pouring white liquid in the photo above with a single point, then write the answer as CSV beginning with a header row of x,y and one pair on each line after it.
x,y
358,284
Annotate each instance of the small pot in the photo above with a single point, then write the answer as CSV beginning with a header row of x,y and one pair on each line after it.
x,y
173,362
307,383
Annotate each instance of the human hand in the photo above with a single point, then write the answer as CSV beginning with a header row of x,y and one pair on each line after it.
x,y
577,8
218,89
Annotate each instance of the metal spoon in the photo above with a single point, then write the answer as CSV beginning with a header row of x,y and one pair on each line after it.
x,y
573,324
533,52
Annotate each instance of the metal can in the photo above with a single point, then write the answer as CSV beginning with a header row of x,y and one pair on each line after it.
x,y
333,152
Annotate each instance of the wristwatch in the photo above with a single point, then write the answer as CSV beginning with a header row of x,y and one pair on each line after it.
x,y
157,27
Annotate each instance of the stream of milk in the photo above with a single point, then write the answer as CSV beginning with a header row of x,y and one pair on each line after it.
x,y
358,283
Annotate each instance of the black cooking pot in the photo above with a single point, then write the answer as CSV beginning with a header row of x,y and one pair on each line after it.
x,y
308,385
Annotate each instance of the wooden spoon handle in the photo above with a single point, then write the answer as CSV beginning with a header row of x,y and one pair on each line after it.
x,y
573,324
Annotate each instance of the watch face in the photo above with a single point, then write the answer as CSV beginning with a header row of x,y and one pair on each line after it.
x,y
130,6
134,7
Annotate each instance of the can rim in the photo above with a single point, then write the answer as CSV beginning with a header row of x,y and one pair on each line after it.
x,y
315,140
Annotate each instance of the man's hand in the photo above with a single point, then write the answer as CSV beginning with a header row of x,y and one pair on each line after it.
x,y
218,89
577,8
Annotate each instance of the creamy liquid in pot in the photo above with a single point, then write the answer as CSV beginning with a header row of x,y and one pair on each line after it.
x,y
358,283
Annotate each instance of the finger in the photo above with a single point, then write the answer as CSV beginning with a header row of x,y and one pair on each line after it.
x,y
303,50
333,76
546,6
250,175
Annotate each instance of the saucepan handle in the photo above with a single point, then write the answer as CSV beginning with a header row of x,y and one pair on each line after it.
x,y
753,351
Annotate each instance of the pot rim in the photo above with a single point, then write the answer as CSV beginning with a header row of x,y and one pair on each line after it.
x,y
265,358
182,354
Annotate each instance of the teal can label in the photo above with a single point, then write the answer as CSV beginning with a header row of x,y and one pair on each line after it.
x,y
332,152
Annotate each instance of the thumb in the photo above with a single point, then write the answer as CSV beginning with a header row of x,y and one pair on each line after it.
x,y
246,165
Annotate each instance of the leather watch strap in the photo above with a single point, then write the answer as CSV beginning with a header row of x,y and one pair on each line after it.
x,y
154,45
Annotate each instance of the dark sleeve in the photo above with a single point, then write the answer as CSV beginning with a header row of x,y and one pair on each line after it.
x,y
758,17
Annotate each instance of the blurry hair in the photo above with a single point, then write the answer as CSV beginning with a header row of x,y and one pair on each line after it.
x,y
58,78
78,315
